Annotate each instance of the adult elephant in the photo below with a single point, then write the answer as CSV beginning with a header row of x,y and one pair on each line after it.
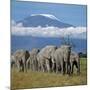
x,y
21,58
62,59
13,63
33,59
44,58
75,61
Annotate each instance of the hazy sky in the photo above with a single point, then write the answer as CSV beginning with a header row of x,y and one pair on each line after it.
x,y
71,14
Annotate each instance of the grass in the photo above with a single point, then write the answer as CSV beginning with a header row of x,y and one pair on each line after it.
x,y
20,80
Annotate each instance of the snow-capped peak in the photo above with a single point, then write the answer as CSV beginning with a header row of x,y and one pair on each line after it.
x,y
46,15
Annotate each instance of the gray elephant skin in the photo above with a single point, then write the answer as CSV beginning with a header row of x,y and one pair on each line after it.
x,y
44,58
33,63
62,59
50,58
21,58
13,63
75,61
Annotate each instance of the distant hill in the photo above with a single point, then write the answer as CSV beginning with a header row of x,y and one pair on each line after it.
x,y
43,20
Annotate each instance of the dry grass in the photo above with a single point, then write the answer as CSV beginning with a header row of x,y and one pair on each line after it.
x,y
39,79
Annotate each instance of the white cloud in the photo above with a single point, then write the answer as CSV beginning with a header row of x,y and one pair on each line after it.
x,y
73,32
13,23
19,25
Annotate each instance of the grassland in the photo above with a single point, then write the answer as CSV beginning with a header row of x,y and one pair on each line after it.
x,y
20,80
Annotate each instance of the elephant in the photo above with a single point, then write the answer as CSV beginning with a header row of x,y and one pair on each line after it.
x,y
75,60
13,63
33,59
62,59
44,58
21,58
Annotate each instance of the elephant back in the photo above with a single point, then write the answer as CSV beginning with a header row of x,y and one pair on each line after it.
x,y
66,48
74,56
35,51
19,54
58,54
63,53
46,51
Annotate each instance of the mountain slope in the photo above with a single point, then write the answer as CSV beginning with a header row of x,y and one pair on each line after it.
x,y
43,20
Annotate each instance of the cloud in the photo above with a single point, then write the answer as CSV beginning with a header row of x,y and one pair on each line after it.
x,y
73,32
13,23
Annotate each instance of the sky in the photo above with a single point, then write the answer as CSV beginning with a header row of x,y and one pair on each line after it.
x,y
71,14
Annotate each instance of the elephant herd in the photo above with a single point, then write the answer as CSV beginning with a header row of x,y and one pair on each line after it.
x,y
49,59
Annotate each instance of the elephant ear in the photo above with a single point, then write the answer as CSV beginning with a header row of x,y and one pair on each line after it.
x,y
33,51
46,54
27,54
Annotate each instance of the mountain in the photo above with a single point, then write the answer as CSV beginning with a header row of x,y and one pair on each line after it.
x,y
37,37
43,20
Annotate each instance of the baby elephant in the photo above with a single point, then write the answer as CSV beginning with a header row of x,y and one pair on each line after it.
x,y
75,61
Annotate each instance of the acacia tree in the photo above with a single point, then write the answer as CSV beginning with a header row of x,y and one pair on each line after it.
x,y
67,41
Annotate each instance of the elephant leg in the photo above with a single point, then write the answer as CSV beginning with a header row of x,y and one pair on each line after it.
x,y
42,68
48,68
78,67
25,69
62,67
53,67
66,68
33,63
69,68
36,66
32,67
72,65
22,68
78,71
18,66
27,65
47,65
39,66
56,67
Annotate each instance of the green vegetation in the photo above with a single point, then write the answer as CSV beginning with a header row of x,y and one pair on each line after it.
x,y
39,79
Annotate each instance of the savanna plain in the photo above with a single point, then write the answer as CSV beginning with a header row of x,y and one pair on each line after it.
x,y
31,79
